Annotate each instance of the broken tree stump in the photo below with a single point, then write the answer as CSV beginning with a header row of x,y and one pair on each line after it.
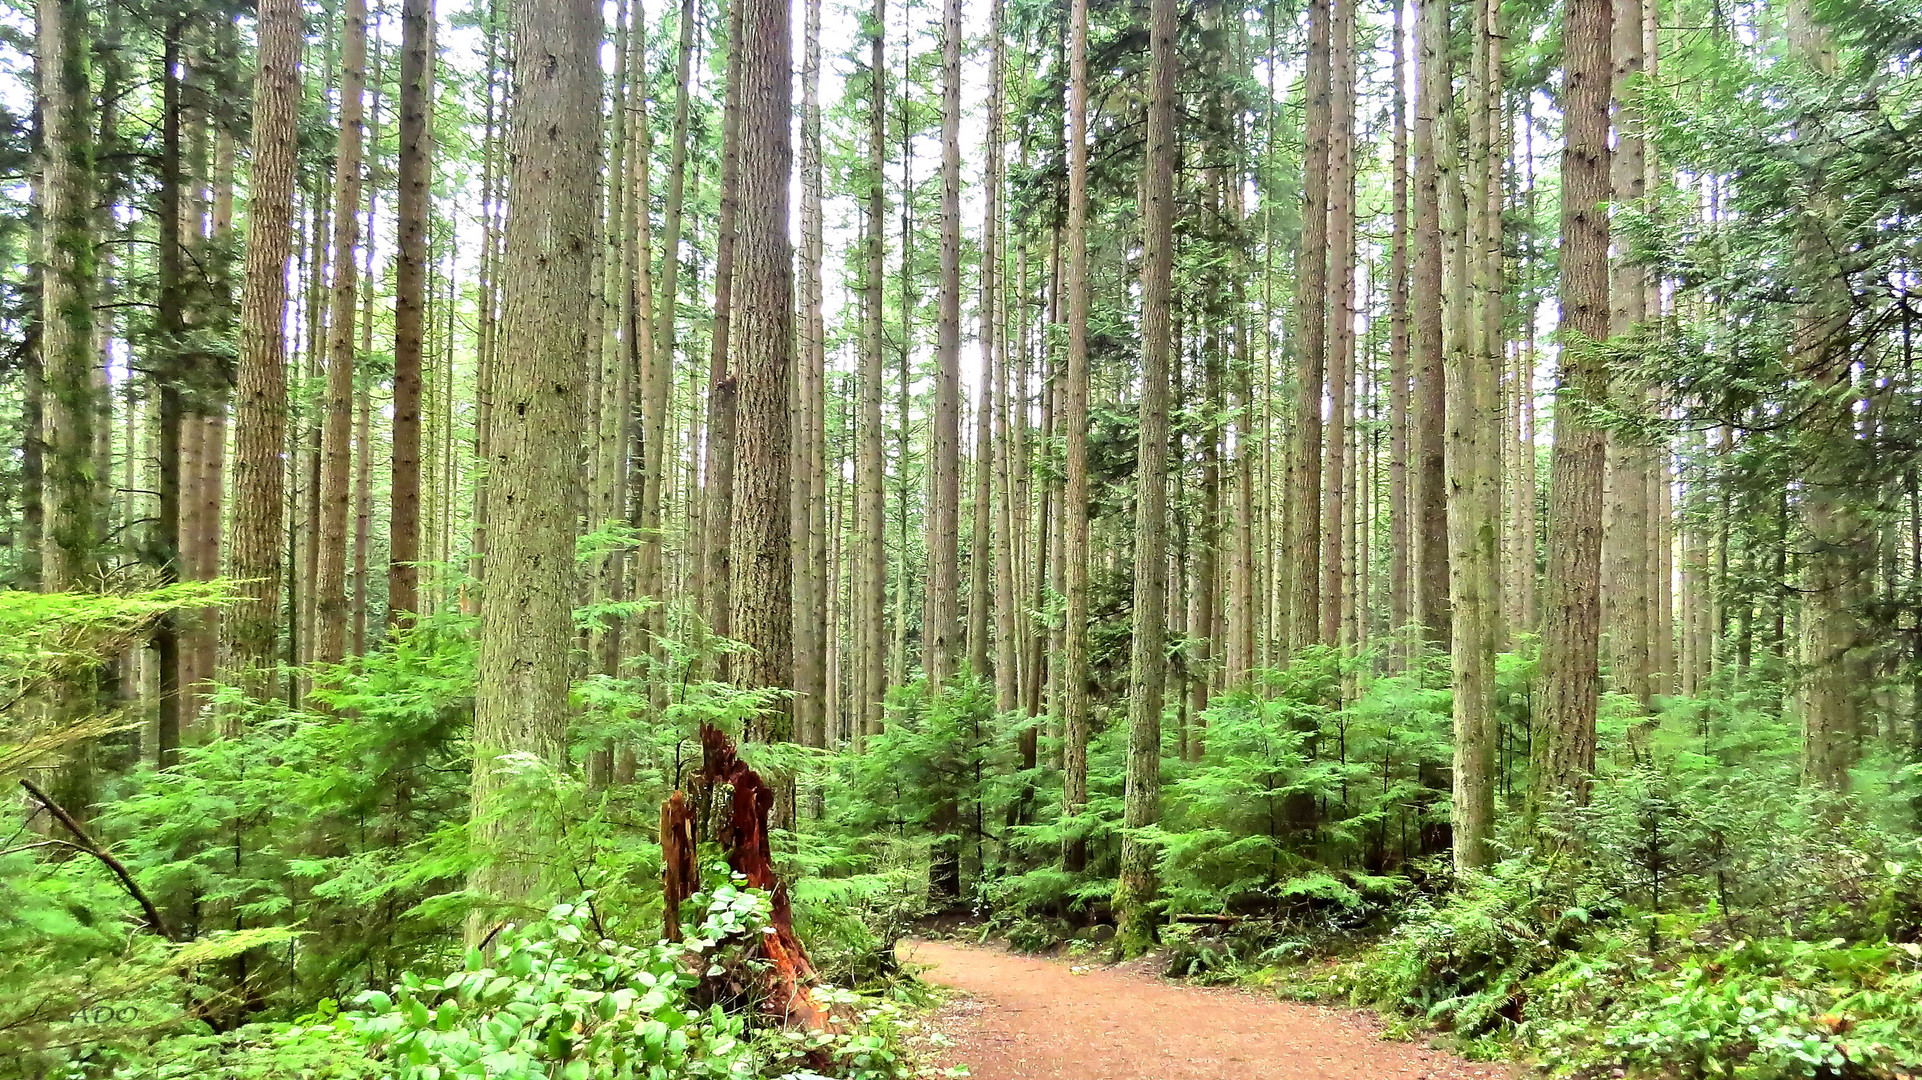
x,y
741,829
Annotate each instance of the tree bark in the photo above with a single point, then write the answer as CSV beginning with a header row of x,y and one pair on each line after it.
x,y
1429,519
1474,456
72,492
1400,504
1311,271
1563,748
248,631
940,633
410,298
1075,719
337,423
762,579
1135,890
812,626
723,388
520,704
1627,601
868,613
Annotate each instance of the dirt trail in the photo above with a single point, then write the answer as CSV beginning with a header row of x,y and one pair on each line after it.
x,y
1030,1019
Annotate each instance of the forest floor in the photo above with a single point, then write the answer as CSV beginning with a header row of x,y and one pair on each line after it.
x,y
1028,1018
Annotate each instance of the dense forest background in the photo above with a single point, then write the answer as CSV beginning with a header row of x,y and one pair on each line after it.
x,y
1415,501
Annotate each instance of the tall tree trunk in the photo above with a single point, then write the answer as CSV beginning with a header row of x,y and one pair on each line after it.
x,y
940,632
1311,271
248,632
980,561
763,570
1400,505
1340,315
175,514
410,298
1563,747
1075,720
337,423
1474,457
1627,601
655,418
71,489
1135,890
1839,566
1429,518
812,626
868,605
520,704
723,388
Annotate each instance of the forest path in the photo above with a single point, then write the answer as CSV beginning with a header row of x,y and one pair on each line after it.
x,y
1024,1018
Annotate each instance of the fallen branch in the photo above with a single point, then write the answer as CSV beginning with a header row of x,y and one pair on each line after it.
x,y
86,844
1216,920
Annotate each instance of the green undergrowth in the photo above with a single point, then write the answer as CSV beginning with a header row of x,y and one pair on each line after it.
x,y
310,873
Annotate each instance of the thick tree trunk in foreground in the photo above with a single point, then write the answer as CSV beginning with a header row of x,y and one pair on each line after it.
x,y
520,704
1474,468
1135,890
762,573
1563,750
248,631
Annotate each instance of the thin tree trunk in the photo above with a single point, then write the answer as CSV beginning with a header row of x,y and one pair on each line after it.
x,y
410,297
655,418
940,631
1075,719
813,621
1400,607
337,424
723,389
869,584
1429,519
1340,316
